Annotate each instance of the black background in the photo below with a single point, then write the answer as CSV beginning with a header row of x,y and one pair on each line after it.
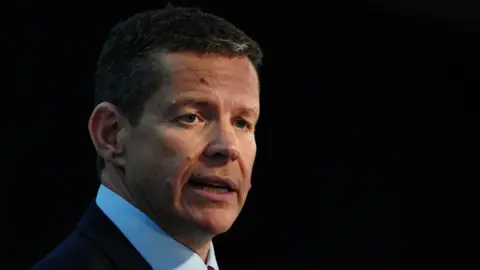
x,y
367,141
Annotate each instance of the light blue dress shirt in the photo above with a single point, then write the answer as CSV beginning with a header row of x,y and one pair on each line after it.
x,y
160,250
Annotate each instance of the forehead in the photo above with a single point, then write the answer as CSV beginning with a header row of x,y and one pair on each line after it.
x,y
210,69
233,77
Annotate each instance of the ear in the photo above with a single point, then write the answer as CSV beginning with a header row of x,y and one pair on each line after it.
x,y
108,130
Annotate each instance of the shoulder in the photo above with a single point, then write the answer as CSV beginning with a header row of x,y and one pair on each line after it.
x,y
76,252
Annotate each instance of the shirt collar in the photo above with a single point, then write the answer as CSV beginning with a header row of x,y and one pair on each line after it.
x,y
159,249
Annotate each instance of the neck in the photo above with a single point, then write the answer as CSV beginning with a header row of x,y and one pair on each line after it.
x,y
197,242
114,179
201,249
183,232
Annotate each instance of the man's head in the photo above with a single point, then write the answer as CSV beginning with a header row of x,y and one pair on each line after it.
x,y
178,99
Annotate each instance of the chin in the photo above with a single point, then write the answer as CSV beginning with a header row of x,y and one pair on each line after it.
x,y
216,221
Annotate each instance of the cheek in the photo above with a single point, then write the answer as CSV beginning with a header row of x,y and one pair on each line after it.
x,y
151,155
179,151
250,151
180,145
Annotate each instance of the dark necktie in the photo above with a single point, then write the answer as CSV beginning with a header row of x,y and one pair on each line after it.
x,y
210,268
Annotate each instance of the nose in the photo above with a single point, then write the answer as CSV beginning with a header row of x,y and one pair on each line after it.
x,y
223,147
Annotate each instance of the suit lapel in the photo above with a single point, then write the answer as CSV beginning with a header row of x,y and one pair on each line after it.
x,y
96,226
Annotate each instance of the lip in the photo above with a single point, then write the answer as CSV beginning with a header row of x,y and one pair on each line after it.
x,y
214,179
212,195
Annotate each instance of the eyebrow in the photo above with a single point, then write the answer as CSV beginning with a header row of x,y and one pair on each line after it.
x,y
250,111
190,101
204,102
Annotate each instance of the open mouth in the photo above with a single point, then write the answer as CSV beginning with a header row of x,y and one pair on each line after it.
x,y
211,185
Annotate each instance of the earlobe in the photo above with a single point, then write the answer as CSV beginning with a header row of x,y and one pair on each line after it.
x,y
105,131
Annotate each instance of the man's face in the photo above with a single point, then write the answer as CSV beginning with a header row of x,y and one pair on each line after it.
x,y
196,133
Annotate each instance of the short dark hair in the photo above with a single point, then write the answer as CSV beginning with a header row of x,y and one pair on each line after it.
x,y
127,72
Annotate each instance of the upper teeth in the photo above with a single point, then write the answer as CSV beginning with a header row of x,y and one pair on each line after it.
x,y
218,185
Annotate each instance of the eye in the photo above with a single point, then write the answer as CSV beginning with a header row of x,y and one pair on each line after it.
x,y
242,124
188,118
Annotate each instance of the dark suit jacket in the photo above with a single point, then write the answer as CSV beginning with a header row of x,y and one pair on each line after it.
x,y
95,244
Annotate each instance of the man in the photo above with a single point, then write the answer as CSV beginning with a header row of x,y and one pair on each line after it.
x,y
177,102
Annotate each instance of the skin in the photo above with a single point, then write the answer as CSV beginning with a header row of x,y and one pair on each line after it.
x,y
202,121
